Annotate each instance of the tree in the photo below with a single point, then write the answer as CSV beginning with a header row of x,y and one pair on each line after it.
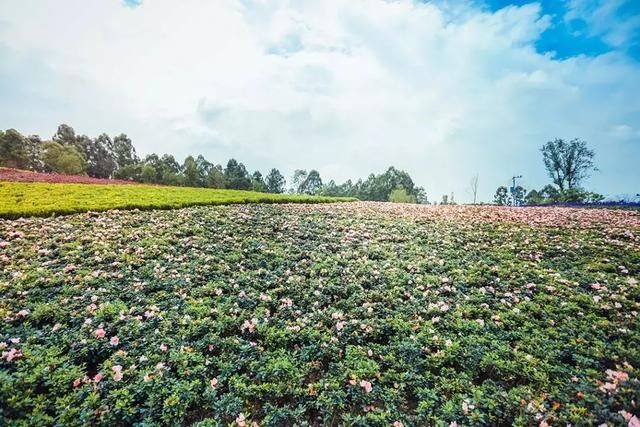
x,y
518,195
567,163
101,162
275,182
236,176
312,183
297,181
257,183
474,187
60,158
124,151
12,150
216,178
400,195
421,196
33,148
191,172
445,200
501,197
204,167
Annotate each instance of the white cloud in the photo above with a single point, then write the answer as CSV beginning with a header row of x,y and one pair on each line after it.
x,y
347,87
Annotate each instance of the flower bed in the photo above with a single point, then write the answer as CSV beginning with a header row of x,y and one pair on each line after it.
x,y
19,175
354,314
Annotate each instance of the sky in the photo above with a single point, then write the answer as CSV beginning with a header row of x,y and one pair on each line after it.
x,y
442,89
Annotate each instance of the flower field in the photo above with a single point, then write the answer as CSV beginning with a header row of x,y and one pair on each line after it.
x,y
363,314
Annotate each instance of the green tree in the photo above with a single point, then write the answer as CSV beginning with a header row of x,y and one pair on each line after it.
x,y
12,150
567,163
124,151
312,183
297,181
501,197
275,182
101,162
257,182
34,153
60,158
204,167
191,172
216,177
400,195
518,195
236,176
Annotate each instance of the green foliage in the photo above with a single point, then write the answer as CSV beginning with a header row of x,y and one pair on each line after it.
x,y
567,163
42,199
13,153
64,159
275,182
316,315
501,198
400,195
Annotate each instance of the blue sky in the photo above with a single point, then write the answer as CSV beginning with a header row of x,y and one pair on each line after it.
x,y
443,89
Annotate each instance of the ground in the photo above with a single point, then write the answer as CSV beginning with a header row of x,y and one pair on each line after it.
x,y
334,314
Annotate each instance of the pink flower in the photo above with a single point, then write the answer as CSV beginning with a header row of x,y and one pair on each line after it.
x,y
98,378
250,325
634,422
240,420
117,372
69,268
163,348
99,333
339,326
12,354
213,382
366,385
23,313
114,341
77,382
617,376
397,424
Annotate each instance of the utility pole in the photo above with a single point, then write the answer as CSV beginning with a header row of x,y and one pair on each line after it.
x,y
513,189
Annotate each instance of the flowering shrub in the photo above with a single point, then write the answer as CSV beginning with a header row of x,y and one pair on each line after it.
x,y
344,314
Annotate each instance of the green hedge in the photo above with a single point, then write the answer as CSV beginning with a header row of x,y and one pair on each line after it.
x,y
43,199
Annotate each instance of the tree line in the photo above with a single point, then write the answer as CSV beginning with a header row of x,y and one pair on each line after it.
x,y
104,157
568,164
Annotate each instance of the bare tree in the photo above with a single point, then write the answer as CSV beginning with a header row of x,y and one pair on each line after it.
x,y
474,187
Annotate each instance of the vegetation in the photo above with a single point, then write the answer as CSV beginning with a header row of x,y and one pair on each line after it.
x,y
103,157
44,199
567,164
349,314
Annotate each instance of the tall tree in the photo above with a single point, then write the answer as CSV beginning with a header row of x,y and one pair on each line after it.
x,y
12,150
257,182
191,172
312,183
216,178
236,176
275,182
124,151
567,163
101,162
297,181
474,187
501,197
34,153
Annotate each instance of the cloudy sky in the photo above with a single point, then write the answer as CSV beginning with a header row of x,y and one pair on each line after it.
x,y
442,89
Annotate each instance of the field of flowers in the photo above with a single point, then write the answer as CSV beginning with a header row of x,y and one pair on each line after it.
x,y
359,314
19,175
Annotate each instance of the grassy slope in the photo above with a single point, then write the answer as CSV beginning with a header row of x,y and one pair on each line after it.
x,y
43,199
